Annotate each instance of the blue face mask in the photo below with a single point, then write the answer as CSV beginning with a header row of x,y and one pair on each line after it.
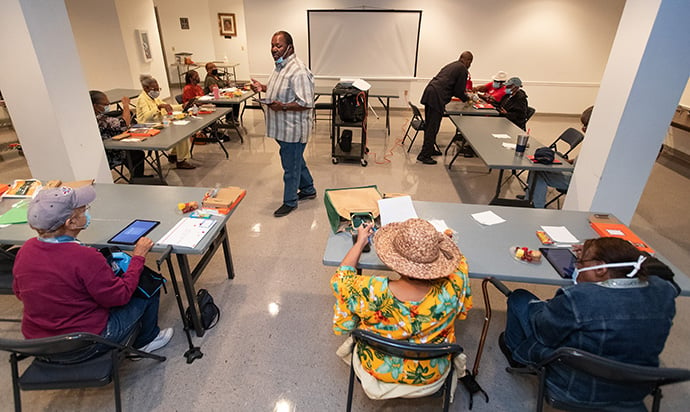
x,y
497,85
106,108
509,90
636,266
88,220
281,60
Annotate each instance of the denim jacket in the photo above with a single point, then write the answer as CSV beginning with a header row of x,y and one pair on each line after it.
x,y
625,324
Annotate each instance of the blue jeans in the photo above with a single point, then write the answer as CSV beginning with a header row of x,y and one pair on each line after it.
x,y
541,182
296,175
518,328
121,322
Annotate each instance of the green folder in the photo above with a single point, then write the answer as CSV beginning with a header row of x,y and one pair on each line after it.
x,y
16,214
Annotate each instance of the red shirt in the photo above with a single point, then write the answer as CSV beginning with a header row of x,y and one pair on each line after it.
x,y
497,94
68,287
191,91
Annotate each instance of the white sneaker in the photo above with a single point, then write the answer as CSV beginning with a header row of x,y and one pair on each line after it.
x,y
161,340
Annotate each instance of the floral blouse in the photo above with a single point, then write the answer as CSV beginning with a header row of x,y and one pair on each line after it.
x,y
365,302
109,127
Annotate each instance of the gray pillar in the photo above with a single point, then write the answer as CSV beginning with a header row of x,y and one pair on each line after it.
x,y
42,81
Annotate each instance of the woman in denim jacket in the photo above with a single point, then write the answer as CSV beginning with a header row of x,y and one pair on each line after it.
x,y
621,307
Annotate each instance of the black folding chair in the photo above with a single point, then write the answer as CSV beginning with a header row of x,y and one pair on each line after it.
x,y
417,123
405,350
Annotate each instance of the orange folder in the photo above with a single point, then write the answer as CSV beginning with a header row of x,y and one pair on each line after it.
x,y
621,231
143,132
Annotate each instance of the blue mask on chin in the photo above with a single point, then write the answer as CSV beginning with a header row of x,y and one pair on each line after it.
x,y
509,90
280,62
88,220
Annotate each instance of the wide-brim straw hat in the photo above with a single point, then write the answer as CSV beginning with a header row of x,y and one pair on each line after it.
x,y
500,76
415,249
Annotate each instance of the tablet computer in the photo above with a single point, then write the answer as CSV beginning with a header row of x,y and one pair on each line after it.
x,y
133,232
562,259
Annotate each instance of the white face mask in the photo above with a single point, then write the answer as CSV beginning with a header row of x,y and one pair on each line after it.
x,y
636,267
154,94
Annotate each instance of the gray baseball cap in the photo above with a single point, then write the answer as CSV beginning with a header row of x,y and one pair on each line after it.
x,y
514,81
52,207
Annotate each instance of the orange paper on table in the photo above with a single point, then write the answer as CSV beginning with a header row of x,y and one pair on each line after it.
x,y
143,132
621,231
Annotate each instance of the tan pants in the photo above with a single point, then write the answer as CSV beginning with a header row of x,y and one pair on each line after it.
x,y
181,150
375,389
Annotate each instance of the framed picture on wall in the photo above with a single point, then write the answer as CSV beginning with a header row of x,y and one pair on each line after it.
x,y
143,38
227,25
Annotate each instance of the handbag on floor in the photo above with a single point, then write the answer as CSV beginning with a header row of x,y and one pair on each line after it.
x,y
208,310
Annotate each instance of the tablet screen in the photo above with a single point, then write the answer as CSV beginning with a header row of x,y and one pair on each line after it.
x,y
135,230
562,259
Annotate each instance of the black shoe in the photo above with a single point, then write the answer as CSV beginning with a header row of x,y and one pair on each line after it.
x,y
284,210
172,158
506,352
427,160
436,153
521,197
305,196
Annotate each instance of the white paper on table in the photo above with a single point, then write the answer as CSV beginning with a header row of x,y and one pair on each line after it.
x,y
560,234
487,218
500,135
361,85
396,209
205,98
180,122
509,145
130,139
439,224
188,232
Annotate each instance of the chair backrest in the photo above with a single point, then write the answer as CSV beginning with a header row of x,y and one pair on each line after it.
x,y
7,256
530,113
404,349
178,99
54,345
617,372
572,137
417,121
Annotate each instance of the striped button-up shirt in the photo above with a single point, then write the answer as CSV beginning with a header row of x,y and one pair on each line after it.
x,y
293,82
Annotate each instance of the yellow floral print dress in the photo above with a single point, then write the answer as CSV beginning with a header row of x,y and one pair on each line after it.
x,y
365,302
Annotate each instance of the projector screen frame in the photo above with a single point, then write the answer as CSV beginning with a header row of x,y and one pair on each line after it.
x,y
419,28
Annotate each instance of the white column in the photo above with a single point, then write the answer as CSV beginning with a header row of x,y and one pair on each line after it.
x,y
42,81
642,84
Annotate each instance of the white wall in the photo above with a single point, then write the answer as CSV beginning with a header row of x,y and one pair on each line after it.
x,y
559,47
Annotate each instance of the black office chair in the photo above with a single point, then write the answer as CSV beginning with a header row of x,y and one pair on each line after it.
x,y
44,375
572,137
7,255
178,99
405,350
648,378
417,123
530,113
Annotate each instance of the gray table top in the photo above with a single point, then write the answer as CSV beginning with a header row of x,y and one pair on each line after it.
x,y
461,108
169,136
373,92
228,101
116,95
487,248
117,205
478,132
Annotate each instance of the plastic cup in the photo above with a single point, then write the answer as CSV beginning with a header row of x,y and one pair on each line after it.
x,y
521,144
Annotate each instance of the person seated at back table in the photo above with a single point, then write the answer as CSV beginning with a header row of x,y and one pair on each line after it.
x,y
191,88
69,287
494,91
539,182
432,292
151,109
514,105
110,126
621,307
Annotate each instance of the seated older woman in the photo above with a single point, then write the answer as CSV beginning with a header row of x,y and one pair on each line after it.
x,y
432,292
111,126
151,109
621,307
69,287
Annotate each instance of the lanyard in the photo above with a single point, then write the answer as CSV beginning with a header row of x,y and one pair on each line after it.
x,y
59,239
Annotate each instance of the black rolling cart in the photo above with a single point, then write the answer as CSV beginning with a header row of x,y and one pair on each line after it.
x,y
349,115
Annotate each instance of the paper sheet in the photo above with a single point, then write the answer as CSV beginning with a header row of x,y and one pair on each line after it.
x,y
487,218
188,232
396,209
131,139
500,136
560,234
180,122
205,98
439,224
510,146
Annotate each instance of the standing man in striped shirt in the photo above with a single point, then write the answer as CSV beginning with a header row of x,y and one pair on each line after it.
x,y
289,118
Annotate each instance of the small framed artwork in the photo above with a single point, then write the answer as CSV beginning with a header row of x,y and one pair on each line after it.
x,y
184,23
227,25
143,37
